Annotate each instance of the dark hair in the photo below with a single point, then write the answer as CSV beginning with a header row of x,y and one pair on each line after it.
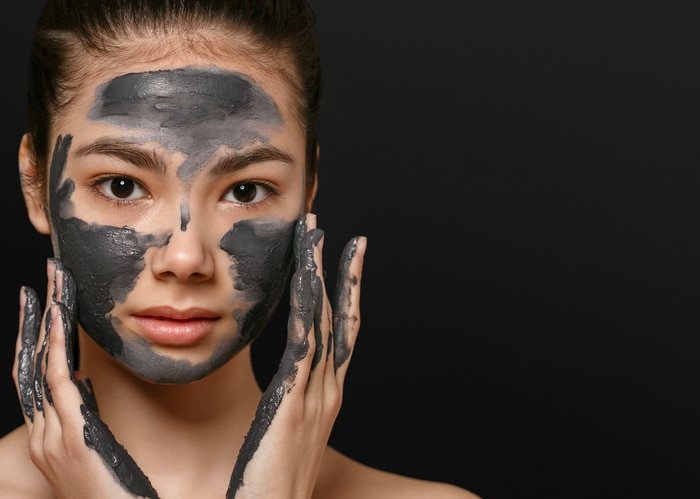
x,y
281,33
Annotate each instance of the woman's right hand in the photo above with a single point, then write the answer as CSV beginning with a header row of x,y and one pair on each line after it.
x,y
68,442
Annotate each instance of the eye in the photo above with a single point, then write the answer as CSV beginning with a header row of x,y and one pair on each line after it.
x,y
247,193
122,188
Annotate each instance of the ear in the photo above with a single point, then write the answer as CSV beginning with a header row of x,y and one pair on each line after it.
x,y
312,185
33,196
311,188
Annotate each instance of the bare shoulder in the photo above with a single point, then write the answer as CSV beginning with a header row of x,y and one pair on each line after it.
x,y
342,477
19,478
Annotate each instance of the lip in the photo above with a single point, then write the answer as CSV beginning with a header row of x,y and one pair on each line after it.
x,y
169,326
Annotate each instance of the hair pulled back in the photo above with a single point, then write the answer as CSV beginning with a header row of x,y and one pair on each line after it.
x,y
282,31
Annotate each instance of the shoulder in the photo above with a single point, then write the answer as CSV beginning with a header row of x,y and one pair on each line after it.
x,y
341,477
19,478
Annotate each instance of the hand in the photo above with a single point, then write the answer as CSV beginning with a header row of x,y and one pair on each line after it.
x,y
283,450
68,442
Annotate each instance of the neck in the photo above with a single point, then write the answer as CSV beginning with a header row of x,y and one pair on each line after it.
x,y
196,428
222,403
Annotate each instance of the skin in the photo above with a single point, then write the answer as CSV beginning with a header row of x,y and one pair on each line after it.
x,y
194,112
196,130
185,240
307,289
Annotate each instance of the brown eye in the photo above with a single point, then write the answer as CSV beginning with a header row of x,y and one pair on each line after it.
x,y
247,193
122,188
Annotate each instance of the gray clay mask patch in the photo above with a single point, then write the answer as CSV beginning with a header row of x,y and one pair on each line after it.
x,y
195,112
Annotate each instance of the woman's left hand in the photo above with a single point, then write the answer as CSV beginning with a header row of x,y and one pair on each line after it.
x,y
283,450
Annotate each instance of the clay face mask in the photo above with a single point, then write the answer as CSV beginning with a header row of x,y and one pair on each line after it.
x,y
193,112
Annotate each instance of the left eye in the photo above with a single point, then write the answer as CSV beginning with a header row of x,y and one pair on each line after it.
x,y
246,193
122,188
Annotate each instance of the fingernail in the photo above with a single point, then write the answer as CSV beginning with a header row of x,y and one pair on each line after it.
x,y
50,268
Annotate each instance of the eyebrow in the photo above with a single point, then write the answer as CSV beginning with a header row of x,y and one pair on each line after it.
x,y
151,160
233,162
131,153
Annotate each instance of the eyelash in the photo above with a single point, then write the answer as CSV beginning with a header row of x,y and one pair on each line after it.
x,y
97,184
270,189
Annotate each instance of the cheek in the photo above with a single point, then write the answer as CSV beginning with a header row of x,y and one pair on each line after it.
x,y
105,261
261,254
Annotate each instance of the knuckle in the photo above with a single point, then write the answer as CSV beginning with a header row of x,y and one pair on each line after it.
x,y
36,449
333,401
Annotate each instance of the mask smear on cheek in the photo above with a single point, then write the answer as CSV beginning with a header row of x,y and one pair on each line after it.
x,y
261,254
104,260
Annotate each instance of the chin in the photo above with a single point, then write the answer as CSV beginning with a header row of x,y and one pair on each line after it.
x,y
156,367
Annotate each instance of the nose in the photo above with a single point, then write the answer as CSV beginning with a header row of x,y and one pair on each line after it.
x,y
187,257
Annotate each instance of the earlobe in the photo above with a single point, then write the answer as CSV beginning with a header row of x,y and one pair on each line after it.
x,y
33,194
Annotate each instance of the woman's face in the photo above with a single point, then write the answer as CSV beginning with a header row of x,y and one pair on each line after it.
x,y
174,189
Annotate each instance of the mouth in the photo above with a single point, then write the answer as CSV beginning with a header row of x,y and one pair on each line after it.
x,y
171,327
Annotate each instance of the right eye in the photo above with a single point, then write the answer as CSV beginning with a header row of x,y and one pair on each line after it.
x,y
121,188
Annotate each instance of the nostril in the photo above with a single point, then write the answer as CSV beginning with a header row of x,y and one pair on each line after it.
x,y
185,258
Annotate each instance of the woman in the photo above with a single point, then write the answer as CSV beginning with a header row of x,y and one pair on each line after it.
x,y
172,158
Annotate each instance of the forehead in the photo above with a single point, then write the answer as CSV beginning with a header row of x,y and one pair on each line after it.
x,y
179,98
209,78
192,110
183,95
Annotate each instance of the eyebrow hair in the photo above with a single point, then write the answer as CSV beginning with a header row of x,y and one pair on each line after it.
x,y
232,162
126,151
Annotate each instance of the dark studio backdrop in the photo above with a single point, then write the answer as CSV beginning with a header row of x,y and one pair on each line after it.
x,y
528,176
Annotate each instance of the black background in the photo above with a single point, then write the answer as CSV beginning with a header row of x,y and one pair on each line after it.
x,y
527,174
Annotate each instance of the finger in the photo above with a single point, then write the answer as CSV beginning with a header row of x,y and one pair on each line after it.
x,y
37,435
346,310
38,380
322,387
299,235
59,375
311,259
30,320
318,292
38,375
66,295
303,286
300,321
319,342
52,429
66,290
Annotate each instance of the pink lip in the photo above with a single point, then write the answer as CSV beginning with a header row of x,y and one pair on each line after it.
x,y
169,326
